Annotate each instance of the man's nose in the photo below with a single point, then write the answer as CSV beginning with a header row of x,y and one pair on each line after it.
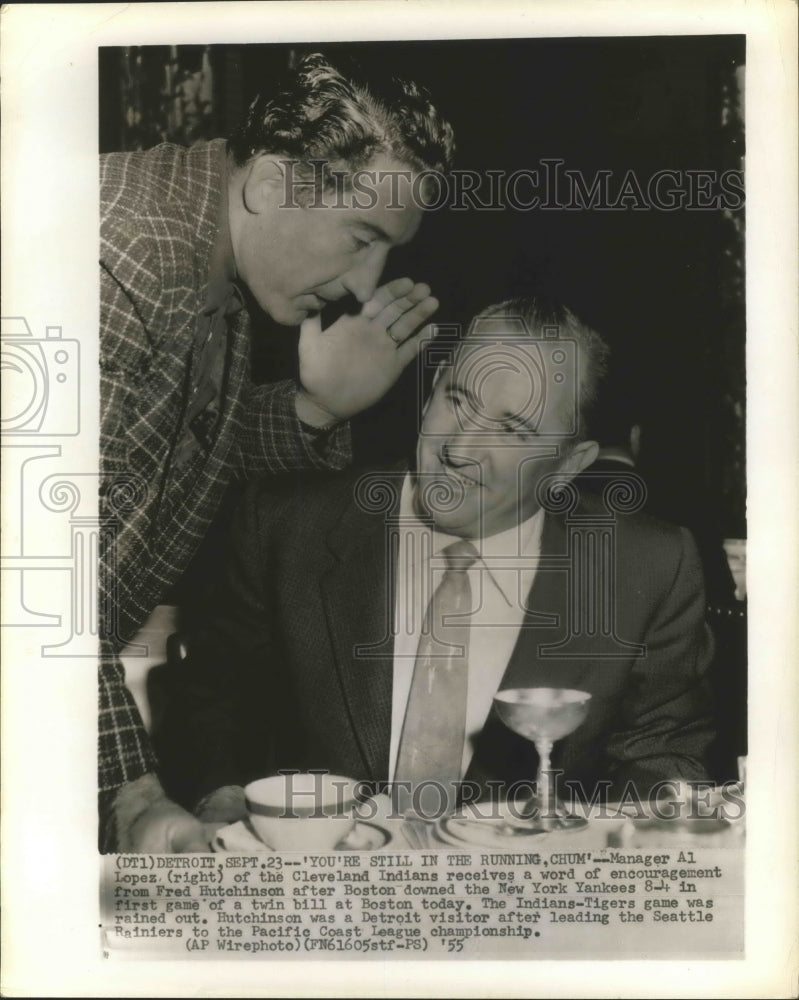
x,y
362,278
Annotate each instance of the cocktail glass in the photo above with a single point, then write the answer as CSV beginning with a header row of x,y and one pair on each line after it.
x,y
544,715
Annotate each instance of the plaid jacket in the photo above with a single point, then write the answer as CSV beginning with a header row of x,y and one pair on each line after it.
x,y
160,213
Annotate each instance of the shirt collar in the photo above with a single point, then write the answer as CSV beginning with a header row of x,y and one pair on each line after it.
x,y
522,540
613,455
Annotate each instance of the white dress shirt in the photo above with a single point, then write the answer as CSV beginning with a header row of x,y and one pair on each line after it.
x,y
500,582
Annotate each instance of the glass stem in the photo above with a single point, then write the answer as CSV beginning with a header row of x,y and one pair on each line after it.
x,y
544,748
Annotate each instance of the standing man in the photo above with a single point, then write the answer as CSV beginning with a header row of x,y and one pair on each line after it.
x,y
299,209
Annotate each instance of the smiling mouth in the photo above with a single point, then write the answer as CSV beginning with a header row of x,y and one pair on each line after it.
x,y
458,476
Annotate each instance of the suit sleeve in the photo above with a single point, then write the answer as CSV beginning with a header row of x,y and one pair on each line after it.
x,y
124,749
666,722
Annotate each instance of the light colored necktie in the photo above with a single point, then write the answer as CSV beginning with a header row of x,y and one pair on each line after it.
x,y
431,745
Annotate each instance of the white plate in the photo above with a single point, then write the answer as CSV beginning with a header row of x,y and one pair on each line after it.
x,y
240,837
486,832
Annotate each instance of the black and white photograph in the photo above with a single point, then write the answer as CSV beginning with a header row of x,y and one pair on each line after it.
x,y
404,472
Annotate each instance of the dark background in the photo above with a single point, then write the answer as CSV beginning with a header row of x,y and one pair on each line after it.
x,y
666,289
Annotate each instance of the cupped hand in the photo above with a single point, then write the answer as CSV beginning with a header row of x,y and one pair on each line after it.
x,y
165,828
225,805
355,361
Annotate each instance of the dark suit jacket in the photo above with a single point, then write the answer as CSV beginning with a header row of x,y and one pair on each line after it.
x,y
293,668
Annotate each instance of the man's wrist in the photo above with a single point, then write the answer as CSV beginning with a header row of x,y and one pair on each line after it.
x,y
312,415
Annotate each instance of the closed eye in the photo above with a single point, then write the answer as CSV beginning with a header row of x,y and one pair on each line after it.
x,y
521,431
361,242
455,399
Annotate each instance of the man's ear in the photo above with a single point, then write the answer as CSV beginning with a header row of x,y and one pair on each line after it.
x,y
580,457
263,182
635,441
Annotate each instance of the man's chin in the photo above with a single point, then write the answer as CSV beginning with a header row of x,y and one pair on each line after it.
x,y
447,522
296,317
286,312
432,498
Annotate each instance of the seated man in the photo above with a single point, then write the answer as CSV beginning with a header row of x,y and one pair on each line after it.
x,y
364,622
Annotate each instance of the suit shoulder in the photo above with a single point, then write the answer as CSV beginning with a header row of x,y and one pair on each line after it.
x,y
145,227
166,179
140,183
294,497
158,220
165,193
313,502
640,535
644,527
655,562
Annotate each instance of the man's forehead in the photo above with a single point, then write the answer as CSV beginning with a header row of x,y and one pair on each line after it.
x,y
499,378
497,341
514,376
395,214
501,358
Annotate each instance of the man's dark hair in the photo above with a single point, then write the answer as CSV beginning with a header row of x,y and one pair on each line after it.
x,y
546,319
318,113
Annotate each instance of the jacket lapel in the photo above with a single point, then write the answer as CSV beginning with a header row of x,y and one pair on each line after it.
x,y
546,620
358,598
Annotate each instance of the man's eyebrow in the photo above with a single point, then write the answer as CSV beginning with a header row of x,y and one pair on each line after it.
x,y
528,423
456,386
520,420
377,231
382,234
